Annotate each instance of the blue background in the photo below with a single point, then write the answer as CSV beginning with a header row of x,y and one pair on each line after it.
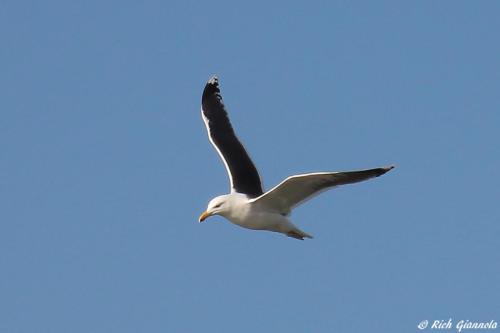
x,y
105,164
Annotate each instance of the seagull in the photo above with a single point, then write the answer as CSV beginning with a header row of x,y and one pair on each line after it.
x,y
247,205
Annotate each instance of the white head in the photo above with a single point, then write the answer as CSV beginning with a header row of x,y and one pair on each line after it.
x,y
217,206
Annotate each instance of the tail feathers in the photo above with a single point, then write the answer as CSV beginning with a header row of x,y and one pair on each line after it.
x,y
298,234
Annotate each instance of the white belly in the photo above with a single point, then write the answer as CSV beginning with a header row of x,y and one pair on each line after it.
x,y
246,215
261,220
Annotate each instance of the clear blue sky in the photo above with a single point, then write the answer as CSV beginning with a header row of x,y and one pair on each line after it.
x,y
105,164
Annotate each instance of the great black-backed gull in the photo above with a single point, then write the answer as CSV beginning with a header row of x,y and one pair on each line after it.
x,y
248,205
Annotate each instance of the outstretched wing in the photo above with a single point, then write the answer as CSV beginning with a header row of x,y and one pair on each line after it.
x,y
243,175
297,189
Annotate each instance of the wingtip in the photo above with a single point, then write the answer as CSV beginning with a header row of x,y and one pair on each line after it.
x,y
214,80
383,170
212,87
388,168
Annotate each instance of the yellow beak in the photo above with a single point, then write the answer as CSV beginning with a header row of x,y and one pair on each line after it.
x,y
203,216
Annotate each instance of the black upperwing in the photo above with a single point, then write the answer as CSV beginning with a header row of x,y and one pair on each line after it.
x,y
243,175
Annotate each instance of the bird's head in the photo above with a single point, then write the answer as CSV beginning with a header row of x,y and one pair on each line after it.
x,y
216,206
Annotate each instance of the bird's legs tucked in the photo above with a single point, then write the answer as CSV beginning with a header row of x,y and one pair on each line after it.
x,y
295,234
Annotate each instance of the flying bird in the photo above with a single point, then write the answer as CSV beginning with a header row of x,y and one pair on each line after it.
x,y
248,205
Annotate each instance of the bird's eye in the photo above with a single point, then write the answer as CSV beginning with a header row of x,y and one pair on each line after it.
x,y
218,205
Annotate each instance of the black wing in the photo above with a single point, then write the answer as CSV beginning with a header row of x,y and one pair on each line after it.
x,y
243,175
